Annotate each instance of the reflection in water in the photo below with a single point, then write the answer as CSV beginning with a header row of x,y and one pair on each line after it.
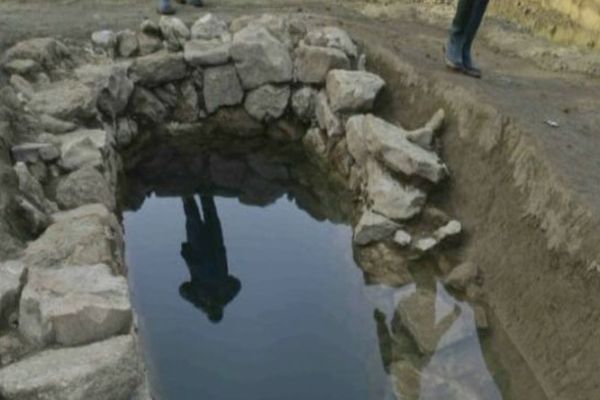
x,y
211,287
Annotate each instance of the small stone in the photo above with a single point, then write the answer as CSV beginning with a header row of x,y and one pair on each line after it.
x,y
84,186
105,40
174,31
158,68
260,58
425,245
12,278
313,63
326,118
206,52
210,27
352,91
462,276
267,102
127,43
451,230
332,37
148,44
222,87
373,227
303,103
402,238
55,125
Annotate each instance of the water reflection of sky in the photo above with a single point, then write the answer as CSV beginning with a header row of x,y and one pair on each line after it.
x,y
301,327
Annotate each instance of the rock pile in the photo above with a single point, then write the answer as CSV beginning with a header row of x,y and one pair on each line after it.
x,y
256,76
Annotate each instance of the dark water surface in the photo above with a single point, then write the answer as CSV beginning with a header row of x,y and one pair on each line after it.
x,y
284,313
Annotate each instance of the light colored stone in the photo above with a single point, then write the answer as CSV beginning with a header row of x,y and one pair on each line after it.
x,y
84,186
373,227
47,52
402,238
424,136
426,244
174,31
352,91
87,235
267,102
127,43
381,265
312,63
303,103
222,87
206,52
84,147
100,371
462,276
368,135
65,100
74,305
148,44
260,58
209,27
32,152
277,25
105,40
55,125
12,278
315,142
22,66
22,86
158,68
390,197
31,188
332,37
451,230
326,118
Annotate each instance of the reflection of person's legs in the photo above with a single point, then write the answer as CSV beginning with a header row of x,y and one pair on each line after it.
x,y
193,221
215,232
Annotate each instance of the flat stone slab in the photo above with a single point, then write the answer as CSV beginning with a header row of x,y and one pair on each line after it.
x,y
206,52
100,371
74,305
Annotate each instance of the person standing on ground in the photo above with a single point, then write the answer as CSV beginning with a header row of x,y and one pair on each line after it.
x,y
469,14
165,7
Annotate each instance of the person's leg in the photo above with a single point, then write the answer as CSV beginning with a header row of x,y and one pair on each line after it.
x,y
165,7
472,27
454,49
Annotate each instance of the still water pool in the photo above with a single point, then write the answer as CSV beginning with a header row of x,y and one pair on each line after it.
x,y
245,302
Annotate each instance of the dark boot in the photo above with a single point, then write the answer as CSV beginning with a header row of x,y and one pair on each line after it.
x,y
454,49
472,27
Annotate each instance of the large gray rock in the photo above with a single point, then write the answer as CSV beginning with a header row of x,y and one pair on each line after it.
x,y
159,68
206,52
267,102
303,103
84,147
146,106
101,371
84,186
260,58
373,227
174,31
326,118
222,87
12,279
67,99
389,197
332,37
47,52
87,235
368,135
74,305
312,63
210,27
352,91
